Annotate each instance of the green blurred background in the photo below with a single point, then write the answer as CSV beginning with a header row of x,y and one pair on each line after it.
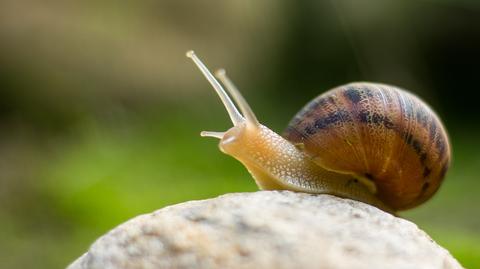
x,y
100,110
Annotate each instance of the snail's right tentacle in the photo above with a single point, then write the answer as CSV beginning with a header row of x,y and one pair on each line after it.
x,y
239,99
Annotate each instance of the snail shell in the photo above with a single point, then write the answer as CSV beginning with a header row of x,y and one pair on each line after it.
x,y
379,133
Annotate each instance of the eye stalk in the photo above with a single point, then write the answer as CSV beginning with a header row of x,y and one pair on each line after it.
x,y
248,119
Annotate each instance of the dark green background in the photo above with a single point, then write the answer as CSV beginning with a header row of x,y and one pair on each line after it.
x,y
100,111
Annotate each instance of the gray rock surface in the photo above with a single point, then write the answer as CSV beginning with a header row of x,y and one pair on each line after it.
x,y
267,229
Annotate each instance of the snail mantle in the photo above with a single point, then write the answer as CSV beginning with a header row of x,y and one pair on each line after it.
x,y
267,229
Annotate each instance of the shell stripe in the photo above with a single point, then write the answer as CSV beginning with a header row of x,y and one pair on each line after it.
x,y
367,117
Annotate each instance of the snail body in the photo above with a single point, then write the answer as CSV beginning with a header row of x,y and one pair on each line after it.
x,y
369,142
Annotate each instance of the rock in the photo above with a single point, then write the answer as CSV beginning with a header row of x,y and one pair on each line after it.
x,y
267,229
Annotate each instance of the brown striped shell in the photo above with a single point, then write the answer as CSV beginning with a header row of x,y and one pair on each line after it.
x,y
378,133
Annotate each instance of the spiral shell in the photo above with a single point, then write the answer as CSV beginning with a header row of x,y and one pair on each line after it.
x,y
378,133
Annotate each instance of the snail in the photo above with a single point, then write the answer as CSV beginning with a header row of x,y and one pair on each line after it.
x,y
369,142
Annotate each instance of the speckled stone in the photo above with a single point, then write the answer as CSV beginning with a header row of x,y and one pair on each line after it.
x,y
267,229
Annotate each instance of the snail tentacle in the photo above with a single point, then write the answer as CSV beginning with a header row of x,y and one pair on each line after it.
x,y
239,99
218,135
235,116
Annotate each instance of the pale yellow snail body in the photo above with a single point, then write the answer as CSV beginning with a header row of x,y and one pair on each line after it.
x,y
369,142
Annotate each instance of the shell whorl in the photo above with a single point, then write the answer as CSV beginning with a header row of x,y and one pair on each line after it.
x,y
376,132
